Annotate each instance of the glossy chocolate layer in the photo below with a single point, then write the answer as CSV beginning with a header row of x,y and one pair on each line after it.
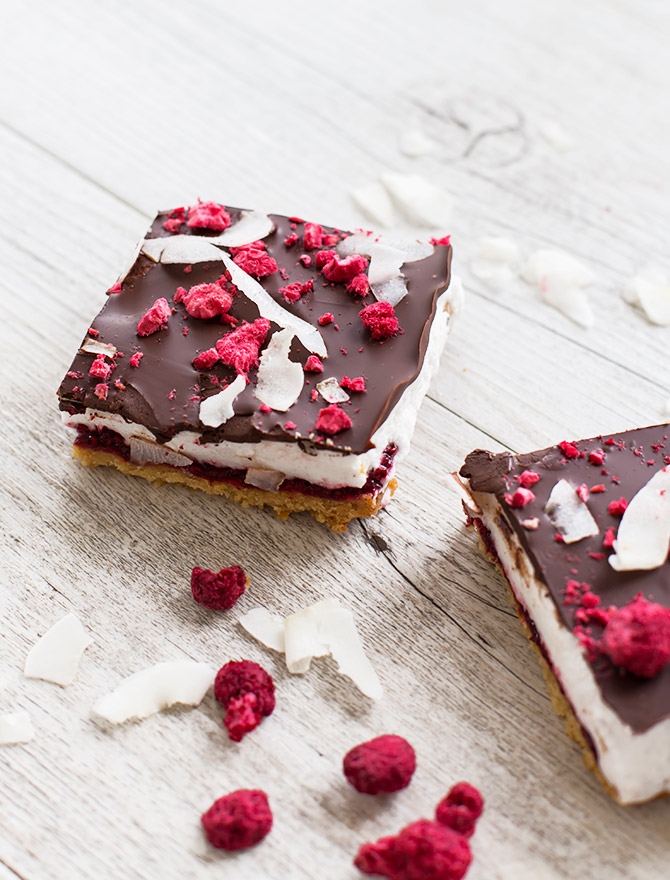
x,y
165,391
629,464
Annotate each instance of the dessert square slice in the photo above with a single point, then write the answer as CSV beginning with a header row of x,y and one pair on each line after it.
x,y
263,358
581,532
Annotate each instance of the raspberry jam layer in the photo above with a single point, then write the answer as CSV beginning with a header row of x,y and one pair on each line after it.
x,y
105,440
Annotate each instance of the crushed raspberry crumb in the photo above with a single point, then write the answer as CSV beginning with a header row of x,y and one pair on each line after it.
x,y
326,318
424,850
528,479
208,215
313,364
332,420
235,680
218,591
597,457
359,285
331,239
206,359
173,225
460,809
93,333
323,257
344,270
569,449
155,318
597,489
618,507
264,408
101,391
205,301
314,394
100,369
380,320
583,492
637,637
520,498
305,260
240,348
254,260
293,292
290,426
292,239
610,537
312,237
382,765
445,240
238,820
115,288
357,384
135,359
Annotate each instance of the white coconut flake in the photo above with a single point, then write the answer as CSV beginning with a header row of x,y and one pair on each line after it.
x,y
92,346
264,478
385,263
330,390
217,409
266,628
643,536
338,630
251,226
55,656
496,275
421,202
549,262
151,690
142,452
414,143
652,296
302,638
569,514
568,299
270,309
181,249
15,727
556,135
280,380
375,202
497,249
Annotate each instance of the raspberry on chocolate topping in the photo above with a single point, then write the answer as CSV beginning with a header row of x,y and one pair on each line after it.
x,y
637,637
155,318
238,820
218,591
240,348
346,269
332,420
208,215
254,260
313,236
380,320
359,285
205,300
382,765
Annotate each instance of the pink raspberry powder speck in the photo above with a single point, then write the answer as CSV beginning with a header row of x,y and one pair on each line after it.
x,y
332,420
238,820
240,348
382,765
208,215
154,318
460,809
637,637
218,590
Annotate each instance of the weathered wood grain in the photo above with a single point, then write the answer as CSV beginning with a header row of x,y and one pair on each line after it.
x,y
114,109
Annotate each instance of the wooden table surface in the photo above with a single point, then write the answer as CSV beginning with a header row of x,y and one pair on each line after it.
x,y
109,110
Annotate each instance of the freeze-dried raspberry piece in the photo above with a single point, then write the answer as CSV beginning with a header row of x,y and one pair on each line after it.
x,y
238,820
312,237
218,590
332,420
330,239
115,288
637,637
205,301
618,507
100,369
343,270
206,359
323,257
357,384
254,260
208,215
240,348
424,850
326,318
293,292
292,239
239,677
242,716
313,364
569,449
460,809
173,225
289,425
380,320
155,318
359,285
445,240
135,359
610,537
520,498
101,391
305,260
528,479
382,765
597,456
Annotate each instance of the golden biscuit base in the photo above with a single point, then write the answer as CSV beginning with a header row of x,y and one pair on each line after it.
x,y
333,512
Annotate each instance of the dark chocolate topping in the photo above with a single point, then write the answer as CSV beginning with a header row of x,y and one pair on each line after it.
x,y
630,462
165,391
